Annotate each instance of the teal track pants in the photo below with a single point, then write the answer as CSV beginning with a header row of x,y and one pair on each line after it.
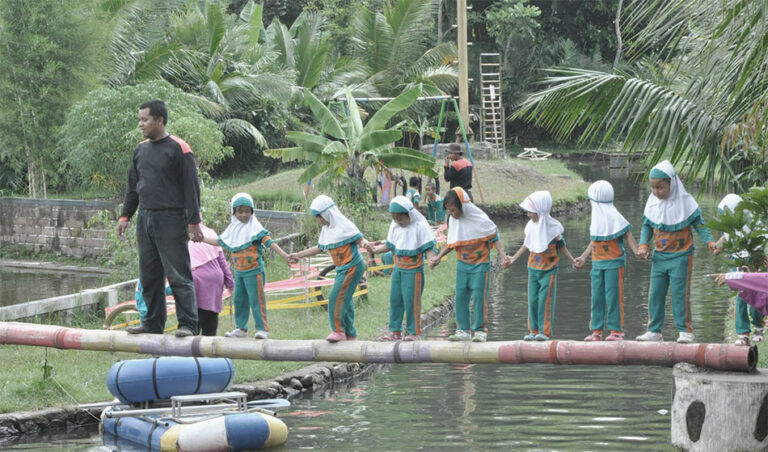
x,y
542,288
249,296
405,300
607,301
341,306
743,313
472,286
673,275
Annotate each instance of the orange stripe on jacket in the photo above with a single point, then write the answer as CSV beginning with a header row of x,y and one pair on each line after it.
x,y
460,164
184,146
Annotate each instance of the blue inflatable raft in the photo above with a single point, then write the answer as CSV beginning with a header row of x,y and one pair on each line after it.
x,y
177,404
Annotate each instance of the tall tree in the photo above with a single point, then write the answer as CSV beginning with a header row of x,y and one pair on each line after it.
x,y
47,55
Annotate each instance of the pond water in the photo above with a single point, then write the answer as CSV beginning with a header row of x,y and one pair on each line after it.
x,y
23,285
508,407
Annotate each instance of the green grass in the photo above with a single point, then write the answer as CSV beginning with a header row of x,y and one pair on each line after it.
x,y
80,376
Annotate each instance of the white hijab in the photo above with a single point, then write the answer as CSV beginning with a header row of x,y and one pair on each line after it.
x,y
339,231
239,235
672,212
415,238
607,223
538,235
473,225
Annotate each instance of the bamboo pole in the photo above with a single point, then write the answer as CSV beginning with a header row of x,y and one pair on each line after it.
x,y
714,356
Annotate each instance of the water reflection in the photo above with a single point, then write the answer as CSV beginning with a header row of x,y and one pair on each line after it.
x,y
22,285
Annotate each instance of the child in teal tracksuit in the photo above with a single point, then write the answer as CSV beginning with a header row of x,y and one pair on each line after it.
x,y
247,240
410,239
670,216
607,231
743,311
435,210
342,239
413,194
472,234
544,239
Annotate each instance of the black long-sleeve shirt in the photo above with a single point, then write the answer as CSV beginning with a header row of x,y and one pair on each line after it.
x,y
459,173
163,175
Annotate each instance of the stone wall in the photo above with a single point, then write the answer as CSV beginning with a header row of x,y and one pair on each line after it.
x,y
52,225
61,226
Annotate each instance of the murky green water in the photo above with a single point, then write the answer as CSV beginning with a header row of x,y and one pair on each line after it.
x,y
507,407
23,285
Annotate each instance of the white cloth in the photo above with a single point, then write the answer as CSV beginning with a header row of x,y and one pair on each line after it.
x,y
675,208
473,224
538,235
414,236
730,201
606,220
238,233
339,230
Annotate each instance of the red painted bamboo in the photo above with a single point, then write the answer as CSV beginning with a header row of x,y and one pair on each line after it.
x,y
714,356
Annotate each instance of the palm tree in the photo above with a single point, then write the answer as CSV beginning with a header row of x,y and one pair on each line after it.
x,y
345,145
393,52
215,57
695,90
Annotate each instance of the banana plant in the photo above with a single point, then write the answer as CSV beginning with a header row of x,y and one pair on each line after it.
x,y
346,145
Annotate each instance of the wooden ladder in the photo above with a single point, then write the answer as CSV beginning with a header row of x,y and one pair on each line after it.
x,y
492,109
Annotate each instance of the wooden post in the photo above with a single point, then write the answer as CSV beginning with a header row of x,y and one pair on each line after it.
x,y
716,410
461,20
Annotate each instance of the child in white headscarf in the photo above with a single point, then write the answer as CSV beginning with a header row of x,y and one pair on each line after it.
x,y
607,232
543,238
410,238
743,311
247,240
341,238
472,234
670,214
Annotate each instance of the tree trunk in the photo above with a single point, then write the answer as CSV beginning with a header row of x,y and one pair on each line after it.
x,y
439,21
618,35
723,411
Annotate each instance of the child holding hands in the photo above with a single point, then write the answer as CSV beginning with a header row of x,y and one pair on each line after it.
x,y
670,216
543,238
608,230
247,239
410,238
341,238
472,234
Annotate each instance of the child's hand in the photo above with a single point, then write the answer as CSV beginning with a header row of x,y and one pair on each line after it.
x,y
713,248
717,251
433,261
369,246
643,253
718,277
579,263
508,261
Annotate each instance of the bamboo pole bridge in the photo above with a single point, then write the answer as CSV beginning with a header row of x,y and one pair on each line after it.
x,y
724,357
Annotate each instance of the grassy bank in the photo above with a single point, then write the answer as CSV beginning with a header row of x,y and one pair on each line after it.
x,y
80,376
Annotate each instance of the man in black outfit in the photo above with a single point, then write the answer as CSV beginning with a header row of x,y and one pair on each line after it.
x,y
164,186
458,170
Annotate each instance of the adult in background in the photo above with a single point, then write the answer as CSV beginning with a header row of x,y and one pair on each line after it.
x,y
163,185
457,169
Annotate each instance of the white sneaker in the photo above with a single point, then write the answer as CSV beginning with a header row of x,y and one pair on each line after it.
x,y
261,334
650,336
758,335
685,338
743,339
459,335
237,332
480,336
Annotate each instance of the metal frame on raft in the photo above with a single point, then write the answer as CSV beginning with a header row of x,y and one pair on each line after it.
x,y
715,356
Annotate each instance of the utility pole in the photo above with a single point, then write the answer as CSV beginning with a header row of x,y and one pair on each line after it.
x,y
461,19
